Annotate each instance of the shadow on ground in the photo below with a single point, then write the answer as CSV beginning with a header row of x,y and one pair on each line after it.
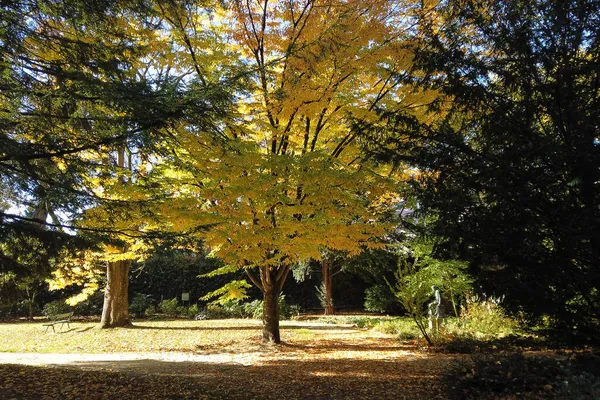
x,y
285,379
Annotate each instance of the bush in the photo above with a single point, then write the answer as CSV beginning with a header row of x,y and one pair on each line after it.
x,y
485,317
56,307
233,309
214,311
404,328
92,305
230,309
23,308
139,304
191,311
253,309
379,299
150,311
169,307
287,311
363,322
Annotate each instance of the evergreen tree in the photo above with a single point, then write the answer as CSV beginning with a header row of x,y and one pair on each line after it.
x,y
509,156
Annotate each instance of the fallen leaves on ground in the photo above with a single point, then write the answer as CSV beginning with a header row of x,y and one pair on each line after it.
x,y
226,360
315,361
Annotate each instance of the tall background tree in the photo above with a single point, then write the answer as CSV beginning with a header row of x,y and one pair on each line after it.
x,y
84,106
513,154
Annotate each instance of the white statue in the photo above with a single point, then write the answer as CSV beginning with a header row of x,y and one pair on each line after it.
x,y
434,309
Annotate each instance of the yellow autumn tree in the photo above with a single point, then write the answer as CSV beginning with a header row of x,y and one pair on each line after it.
x,y
285,181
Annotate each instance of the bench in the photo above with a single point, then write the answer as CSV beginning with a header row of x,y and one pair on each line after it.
x,y
56,319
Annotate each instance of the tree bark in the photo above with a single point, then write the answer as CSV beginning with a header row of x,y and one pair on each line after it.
x,y
270,332
271,284
328,287
115,312
31,302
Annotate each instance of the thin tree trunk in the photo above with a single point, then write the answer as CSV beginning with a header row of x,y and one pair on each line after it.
x,y
31,301
422,329
327,287
454,305
115,312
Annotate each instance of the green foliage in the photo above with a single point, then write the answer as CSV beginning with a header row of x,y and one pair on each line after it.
x,y
56,307
150,311
403,328
363,322
92,306
322,295
287,311
417,272
485,317
168,273
379,299
228,309
507,182
230,292
191,311
169,307
139,304
253,309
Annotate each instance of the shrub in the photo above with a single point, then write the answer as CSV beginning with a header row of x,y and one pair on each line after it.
x,y
363,322
295,310
139,304
56,307
404,328
169,307
191,311
233,309
485,317
150,310
92,305
287,311
214,311
253,309
23,307
379,299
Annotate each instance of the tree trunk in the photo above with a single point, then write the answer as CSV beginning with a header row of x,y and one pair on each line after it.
x,y
270,332
327,287
31,302
454,305
270,283
115,312
422,329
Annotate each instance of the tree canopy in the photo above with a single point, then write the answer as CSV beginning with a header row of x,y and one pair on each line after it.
x,y
277,132
514,153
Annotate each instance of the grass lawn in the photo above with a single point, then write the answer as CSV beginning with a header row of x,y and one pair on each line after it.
x,y
158,336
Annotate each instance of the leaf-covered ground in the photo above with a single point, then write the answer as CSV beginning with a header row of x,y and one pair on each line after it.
x,y
214,359
225,359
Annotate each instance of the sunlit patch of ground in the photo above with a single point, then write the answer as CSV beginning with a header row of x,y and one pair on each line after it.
x,y
225,359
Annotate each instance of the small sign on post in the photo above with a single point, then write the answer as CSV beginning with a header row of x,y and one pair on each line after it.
x,y
185,296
